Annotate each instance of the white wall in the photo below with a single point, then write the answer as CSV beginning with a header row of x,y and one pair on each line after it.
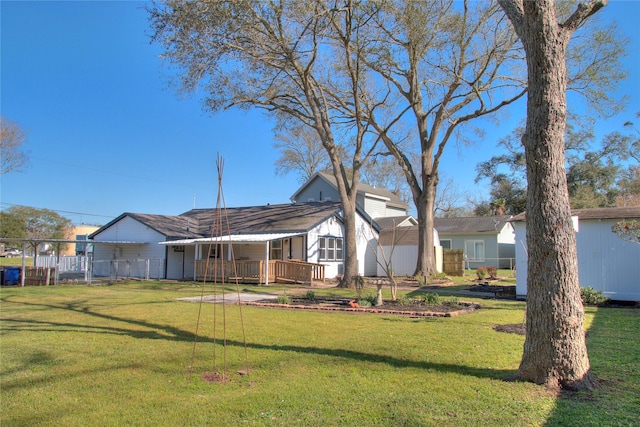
x,y
130,230
329,228
605,262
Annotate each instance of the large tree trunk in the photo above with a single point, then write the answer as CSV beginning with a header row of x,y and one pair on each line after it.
x,y
350,247
555,352
425,265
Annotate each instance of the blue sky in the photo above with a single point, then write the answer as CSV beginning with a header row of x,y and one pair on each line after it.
x,y
106,134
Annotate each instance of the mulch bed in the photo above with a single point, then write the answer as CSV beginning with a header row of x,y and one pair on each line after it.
x,y
515,328
388,308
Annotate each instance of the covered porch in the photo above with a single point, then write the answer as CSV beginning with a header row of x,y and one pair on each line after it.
x,y
259,271
249,258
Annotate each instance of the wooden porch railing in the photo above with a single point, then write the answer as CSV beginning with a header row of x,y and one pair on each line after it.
x,y
253,271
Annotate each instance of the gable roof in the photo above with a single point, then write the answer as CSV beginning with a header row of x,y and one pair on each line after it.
x,y
399,236
197,223
470,225
366,189
172,227
395,221
595,213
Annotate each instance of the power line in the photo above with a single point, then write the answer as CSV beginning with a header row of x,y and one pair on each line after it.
x,y
60,211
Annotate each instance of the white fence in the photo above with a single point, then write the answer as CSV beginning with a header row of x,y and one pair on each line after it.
x,y
113,269
64,264
129,268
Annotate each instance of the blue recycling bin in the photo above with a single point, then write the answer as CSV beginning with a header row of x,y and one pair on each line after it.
x,y
11,276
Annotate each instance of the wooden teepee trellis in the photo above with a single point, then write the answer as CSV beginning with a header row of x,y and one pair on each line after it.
x,y
219,228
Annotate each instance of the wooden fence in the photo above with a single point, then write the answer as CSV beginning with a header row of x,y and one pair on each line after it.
x,y
39,276
453,262
253,271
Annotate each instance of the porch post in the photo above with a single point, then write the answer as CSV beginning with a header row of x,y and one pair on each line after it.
x,y
266,264
196,251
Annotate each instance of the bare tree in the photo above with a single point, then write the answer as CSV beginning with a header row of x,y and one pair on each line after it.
x,y
275,56
446,66
300,152
449,64
13,158
555,353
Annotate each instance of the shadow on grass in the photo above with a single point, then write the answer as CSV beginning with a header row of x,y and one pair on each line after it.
x,y
612,342
158,331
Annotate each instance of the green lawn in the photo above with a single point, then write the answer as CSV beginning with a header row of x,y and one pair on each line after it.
x,y
121,355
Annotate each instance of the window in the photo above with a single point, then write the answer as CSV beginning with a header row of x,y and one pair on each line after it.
x,y
330,248
276,249
445,243
474,250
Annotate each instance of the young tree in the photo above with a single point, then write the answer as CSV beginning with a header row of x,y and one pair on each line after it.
x,y
276,56
12,157
555,352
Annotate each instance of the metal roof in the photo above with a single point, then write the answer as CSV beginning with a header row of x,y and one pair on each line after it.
x,y
233,238
595,213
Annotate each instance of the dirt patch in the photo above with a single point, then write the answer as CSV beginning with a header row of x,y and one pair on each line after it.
x,y
515,328
389,307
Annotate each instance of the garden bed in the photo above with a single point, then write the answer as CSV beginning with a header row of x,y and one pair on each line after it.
x,y
390,307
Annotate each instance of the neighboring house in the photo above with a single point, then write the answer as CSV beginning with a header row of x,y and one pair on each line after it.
x,y
309,232
486,241
376,202
398,247
77,232
605,261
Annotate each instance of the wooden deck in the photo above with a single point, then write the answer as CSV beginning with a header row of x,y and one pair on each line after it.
x,y
253,271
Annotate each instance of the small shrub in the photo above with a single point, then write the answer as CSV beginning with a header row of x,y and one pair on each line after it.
x,y
405,300
368,300
492,271
439,276
592,297
481,272
283,299
431,298
311,296
453,300
364,302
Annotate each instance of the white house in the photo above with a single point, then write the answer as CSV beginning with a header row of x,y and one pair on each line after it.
x,y
175,247
605,261
376,202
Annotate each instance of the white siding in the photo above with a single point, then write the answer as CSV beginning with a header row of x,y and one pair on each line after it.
x,y
332,228
130,230
605,262
366,242
394,211
403,260
375,208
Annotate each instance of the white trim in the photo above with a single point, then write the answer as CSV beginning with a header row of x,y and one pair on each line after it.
x,y
234,238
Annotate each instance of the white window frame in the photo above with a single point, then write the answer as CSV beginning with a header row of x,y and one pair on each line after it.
x,y
330,248
275,249
473,256
446,240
